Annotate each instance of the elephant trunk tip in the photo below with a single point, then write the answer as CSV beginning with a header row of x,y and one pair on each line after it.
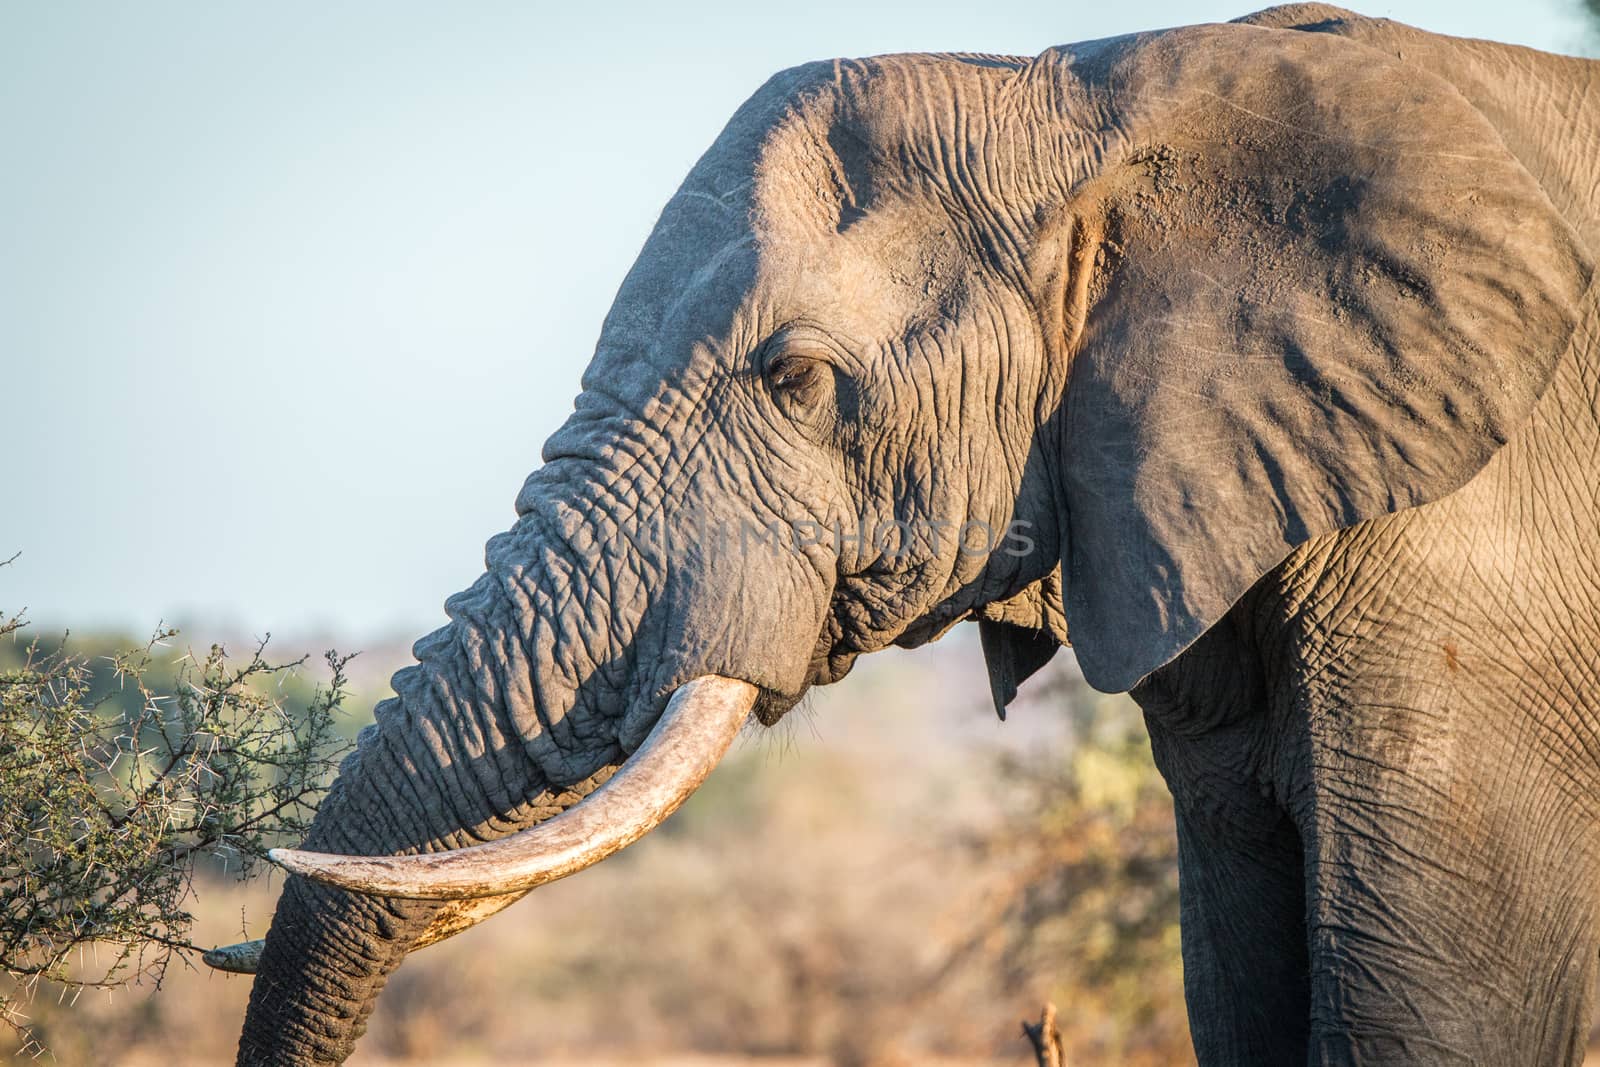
x,y
243,958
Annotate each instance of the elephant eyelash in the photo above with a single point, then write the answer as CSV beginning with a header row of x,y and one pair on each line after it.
x,y
798,341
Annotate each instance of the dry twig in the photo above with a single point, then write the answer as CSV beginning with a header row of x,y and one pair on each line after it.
x,y
1045,1037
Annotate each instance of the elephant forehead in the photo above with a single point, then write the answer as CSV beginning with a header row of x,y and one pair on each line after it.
x,y
823,200
836,235
880,131
691,274
870,280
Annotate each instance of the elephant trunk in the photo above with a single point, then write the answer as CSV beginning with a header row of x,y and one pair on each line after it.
x,y
521,707
326,957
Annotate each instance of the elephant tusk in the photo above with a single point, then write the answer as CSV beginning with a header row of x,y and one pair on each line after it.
x,y
454,917
698,726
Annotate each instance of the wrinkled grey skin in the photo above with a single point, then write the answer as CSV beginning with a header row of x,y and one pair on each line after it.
x,y
1278,335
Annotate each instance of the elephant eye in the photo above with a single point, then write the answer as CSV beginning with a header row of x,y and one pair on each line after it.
x,y
794,372
802,368
799,383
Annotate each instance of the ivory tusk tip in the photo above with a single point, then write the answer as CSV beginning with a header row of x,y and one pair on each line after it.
x,y
293,860
314,865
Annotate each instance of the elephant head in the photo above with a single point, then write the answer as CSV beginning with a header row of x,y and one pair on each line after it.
x,y
1086,342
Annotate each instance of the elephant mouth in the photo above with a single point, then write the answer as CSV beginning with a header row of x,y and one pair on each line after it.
x,y
771,705
688,741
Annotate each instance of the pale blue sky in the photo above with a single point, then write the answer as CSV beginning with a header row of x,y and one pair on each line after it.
x,y
292,293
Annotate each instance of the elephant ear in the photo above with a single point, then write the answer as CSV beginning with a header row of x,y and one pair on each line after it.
x,y
1020,635
1323,291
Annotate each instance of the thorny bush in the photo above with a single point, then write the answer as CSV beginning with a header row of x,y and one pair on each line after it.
x,y
110,800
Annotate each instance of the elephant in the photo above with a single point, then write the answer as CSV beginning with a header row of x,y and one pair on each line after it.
x,y
1255,361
